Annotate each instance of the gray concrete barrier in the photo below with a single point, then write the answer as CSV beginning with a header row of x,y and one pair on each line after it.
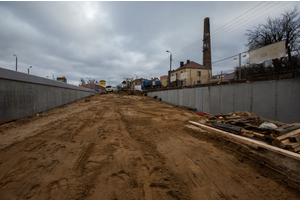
x,y
276,100
23,94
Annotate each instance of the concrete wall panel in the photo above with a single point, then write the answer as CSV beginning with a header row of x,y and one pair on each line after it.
x,y
242,97
215,100
198,99
268,99
275,100
288,96
264,99
164,96
206,99
226,98
192,98
180,97
170,94
185,97
23,95
176,97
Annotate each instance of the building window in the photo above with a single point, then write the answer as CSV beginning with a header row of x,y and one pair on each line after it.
x,y
198,73
198,82
88,85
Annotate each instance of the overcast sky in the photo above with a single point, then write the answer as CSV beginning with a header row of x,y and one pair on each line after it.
x,y
103,40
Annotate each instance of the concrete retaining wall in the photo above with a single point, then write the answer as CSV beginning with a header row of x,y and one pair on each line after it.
x,y
275,100
23,95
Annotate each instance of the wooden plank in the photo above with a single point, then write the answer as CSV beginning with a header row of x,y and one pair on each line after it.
x,y
226,134
292,145
233,117
295,138
285,130
282,143
290,134
250,142
259,135
226,126
296,149
286,126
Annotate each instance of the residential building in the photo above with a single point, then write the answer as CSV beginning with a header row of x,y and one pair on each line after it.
x,y
190,73
164,80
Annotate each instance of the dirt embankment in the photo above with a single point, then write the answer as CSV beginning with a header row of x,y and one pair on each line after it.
x,y
126,147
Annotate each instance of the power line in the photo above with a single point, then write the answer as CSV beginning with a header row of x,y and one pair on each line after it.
x,y
242,22
228,57
236,18
246,17
223,30
251,21
195,44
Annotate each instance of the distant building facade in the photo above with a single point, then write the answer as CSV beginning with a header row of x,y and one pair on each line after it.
x,y
164,80
190,73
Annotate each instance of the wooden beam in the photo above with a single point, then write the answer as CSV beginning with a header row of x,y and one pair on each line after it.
x,y
250,142
292,145
259,135
290,134
295,138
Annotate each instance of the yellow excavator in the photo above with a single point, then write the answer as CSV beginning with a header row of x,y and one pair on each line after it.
x,y
62,79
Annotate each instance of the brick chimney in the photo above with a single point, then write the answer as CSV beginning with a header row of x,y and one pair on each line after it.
x,y
206,44
181,64
188,61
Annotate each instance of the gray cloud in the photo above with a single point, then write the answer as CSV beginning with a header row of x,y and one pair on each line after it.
x,y
115,40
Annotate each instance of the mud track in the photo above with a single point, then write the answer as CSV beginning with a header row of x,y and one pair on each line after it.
x,y
125,147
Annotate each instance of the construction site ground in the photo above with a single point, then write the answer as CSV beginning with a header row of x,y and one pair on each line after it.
x,y
120,146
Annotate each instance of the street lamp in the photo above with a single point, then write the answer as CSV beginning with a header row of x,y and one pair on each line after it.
x,y
16,62
170,67
29,68
109,80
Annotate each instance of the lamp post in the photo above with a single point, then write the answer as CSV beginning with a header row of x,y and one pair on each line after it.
x,y
109,80
16,62
170,67
29,68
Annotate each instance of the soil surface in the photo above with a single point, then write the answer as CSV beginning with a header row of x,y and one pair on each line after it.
x,y
125,147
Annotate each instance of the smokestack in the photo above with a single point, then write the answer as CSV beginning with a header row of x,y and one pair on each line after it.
x,y
181,64
188,61
206,44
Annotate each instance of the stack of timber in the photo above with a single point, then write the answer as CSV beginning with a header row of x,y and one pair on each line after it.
x,y
285,136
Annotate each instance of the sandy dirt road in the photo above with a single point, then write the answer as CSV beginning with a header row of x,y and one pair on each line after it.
x,y
124,147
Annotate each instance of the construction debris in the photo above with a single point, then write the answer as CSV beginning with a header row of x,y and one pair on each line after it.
x,y
285,136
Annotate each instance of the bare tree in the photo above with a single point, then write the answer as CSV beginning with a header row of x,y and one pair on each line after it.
x,y
275,30
92,81
82,81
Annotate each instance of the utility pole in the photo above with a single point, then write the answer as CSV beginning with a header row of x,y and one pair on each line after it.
x,y
109,80
240,66
170,67
16,62
29,68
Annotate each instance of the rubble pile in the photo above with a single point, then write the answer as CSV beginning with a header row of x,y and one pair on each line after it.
x,y
285,136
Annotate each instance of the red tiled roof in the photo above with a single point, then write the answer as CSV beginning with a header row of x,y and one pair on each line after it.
x,y
164,77
191,65
90,85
